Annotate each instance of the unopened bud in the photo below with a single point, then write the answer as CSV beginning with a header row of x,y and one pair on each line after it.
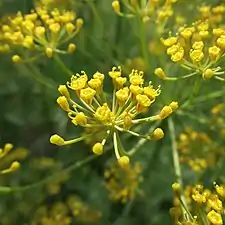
x,y
174,105
49,52
63,103
124,161
157,134
16,59
57,140
165,112
208,73
116,6
71,48
98,148
160,73
64,91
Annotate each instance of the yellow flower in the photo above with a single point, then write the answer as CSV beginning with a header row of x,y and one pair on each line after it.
x,y
87,94
215,218
104,117
39,31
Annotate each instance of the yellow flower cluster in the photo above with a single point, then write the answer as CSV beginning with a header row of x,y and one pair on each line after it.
x,y
84,213
123,182
198,48
58,214
109,116
51,4
217,120
3,153
197,150
156,10
206,205
40,31
215,14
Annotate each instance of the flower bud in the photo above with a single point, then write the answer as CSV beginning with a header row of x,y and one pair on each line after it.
x,y
63,103
80,119
173,105
157,134
16,59
116,6
124,161
57,140
165,112
64,91
208,73
71,48
160,73
14,166
98,148
49,52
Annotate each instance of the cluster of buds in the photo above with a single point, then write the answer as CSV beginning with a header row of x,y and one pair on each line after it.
x,y
123,183
204,206
198,150
94,110
14,165
215,14
198,48
156,10
41,31
52,4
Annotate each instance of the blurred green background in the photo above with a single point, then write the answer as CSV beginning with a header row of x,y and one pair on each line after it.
x,y
29,115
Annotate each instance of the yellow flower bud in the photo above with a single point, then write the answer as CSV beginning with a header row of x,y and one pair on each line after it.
x,y
14,166
79,23
165,112
176,187
160,73
173,105
127,121
124,161
57,140
70,28
80,119
208,73
71,48
55,27
116,6
98,148
8,147
63,103
64,91
157,134
49,52
16,59
214,52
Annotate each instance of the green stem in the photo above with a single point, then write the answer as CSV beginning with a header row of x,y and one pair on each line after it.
x,y
143,42
62,66
176,163
141,142
194,93
32,71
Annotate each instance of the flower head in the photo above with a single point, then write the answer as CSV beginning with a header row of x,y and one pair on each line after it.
x,y
108,116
